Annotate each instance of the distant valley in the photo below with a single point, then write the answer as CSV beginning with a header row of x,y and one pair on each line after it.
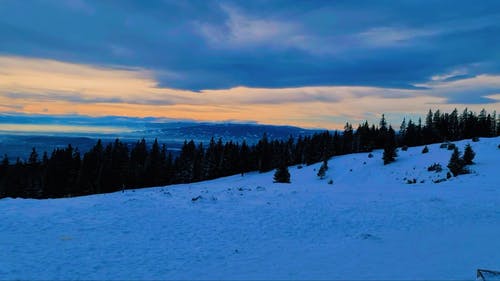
x,y
172,134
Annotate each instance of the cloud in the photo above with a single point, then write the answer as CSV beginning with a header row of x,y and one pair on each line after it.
x,y
41,86
460,73
243,31
260,44
393,37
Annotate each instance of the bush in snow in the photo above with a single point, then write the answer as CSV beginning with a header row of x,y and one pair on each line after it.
x,y
444,145
475,139
451,146
323,169
469,155
413,181
435,167
194,199
439,180
371,155
425,150
404,148
330,182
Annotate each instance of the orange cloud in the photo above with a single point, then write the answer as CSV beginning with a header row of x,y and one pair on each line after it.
x,y
41,86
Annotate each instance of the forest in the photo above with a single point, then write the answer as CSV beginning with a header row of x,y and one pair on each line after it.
x,y
117,166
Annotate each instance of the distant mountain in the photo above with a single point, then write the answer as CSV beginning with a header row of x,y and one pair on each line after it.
x,y
227,131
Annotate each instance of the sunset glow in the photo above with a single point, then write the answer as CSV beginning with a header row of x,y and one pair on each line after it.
x,y
233,63
36,86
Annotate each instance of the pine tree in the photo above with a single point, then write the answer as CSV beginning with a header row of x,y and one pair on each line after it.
x,y
389,154
456,164
243,161
33,160
389,147
282,175
153,165
323,169
425,150
469,155
348,139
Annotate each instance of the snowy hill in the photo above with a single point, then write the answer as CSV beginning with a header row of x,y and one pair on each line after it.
x,y
369,224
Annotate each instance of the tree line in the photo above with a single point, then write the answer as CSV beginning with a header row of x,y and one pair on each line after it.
x,y
116,166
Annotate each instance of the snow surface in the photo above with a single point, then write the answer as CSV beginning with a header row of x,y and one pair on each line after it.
x,y
368,224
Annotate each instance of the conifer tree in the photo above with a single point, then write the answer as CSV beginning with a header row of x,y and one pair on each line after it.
x,y
390,147
243,161
388,155
469,155
456,164
282,175
33,160
425,150
348,139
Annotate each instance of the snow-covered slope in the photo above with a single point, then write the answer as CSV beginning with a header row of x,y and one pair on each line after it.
x,y
368,224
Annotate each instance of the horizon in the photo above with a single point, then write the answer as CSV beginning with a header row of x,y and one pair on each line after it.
x,y
310,65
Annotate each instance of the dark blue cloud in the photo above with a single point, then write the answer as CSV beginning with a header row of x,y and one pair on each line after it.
x,y
209,44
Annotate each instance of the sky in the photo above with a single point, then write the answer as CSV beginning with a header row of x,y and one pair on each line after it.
x,y
314,64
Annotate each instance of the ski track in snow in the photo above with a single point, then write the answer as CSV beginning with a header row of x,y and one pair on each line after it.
x,y
369,224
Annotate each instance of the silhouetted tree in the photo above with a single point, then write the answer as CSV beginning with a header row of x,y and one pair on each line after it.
x,y
389,154
282,175
469,155
456,163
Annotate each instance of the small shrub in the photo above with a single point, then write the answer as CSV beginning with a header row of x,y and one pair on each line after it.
x,y
436,167
299,167
451,146
499,146
330,182
425,150
413,181
371,155
322,170
439,180
444,145
475,139
404,148
448,175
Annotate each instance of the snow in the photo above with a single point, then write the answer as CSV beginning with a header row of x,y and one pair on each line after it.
x,y
368,224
